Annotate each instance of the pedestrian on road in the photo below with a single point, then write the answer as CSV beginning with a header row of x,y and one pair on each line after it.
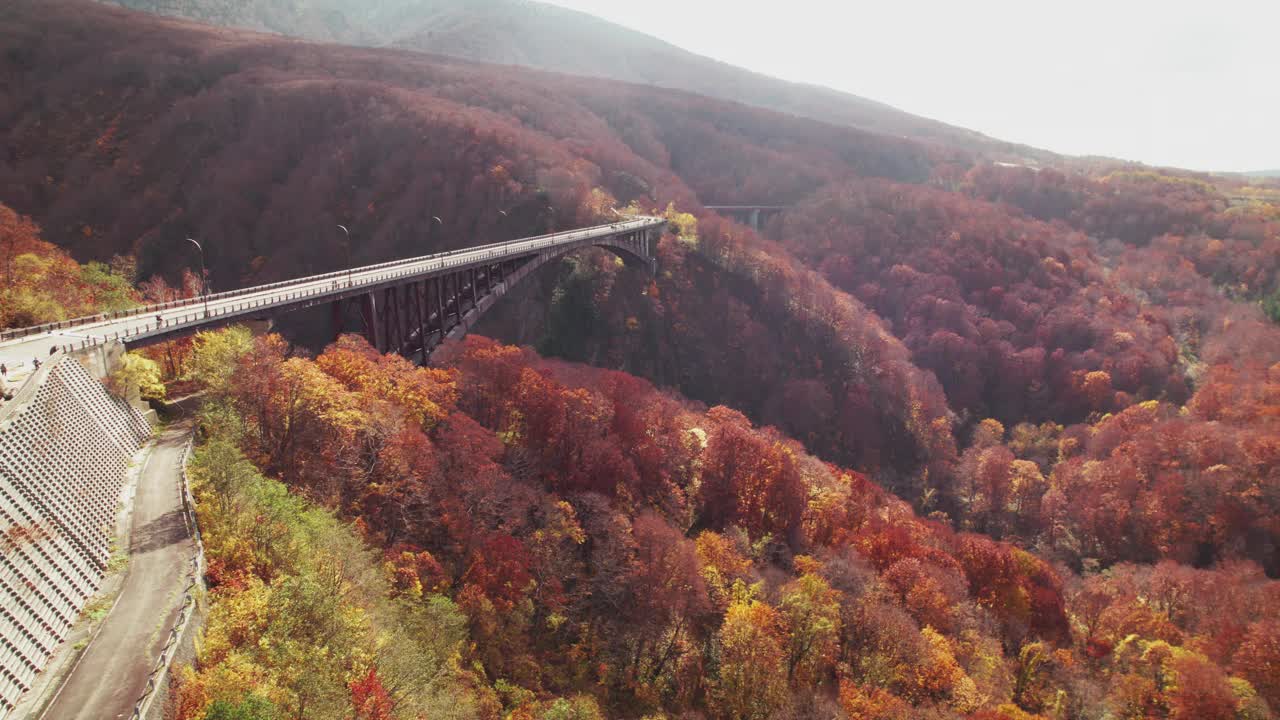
x,y
159,320
4,370
53,350
36,362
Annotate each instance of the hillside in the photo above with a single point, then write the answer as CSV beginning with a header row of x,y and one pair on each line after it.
x,y
539,35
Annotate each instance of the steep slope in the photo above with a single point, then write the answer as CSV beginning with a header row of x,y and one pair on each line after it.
x,y
534,34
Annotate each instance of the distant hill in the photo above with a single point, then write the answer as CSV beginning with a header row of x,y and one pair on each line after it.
x,y
1263,174
533,34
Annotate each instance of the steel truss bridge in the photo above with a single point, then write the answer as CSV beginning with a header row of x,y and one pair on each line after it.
x,y
407,306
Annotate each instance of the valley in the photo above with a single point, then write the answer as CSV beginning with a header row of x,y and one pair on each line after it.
x,y
956,429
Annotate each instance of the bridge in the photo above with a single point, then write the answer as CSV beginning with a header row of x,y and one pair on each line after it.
x,y
751,215
407,306
65,442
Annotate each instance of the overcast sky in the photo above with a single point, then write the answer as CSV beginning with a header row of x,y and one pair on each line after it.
x,y
1192,84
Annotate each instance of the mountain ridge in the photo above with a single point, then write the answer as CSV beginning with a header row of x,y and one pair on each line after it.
x,y
549,37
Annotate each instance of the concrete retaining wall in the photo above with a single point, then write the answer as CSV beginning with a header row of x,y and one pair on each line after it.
x,y
63,455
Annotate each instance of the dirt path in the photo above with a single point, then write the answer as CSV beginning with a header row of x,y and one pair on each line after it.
x,y
113,670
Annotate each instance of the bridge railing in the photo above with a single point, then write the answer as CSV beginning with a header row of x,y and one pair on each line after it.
x,y
538,242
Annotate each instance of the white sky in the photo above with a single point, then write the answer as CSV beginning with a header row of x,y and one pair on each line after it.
x,y
1193,84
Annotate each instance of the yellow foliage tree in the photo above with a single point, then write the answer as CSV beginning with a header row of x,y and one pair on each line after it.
x,y
214,357
812,610
753,673
136,374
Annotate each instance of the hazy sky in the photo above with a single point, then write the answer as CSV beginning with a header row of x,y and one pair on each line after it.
x,y
1193,84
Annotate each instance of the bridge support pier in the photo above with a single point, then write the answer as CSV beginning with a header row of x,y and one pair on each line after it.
x,y
391,323
369,315
336,317
442,306
419,296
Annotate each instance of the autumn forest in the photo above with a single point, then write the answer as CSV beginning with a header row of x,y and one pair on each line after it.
x,y
952,435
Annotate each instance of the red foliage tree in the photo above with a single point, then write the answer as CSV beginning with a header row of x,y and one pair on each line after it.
x,y
370,699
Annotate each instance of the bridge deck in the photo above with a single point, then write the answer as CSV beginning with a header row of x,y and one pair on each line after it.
x,y
154,323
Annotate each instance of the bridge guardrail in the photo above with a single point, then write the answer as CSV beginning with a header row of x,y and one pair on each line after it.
x,y
162,665
539,240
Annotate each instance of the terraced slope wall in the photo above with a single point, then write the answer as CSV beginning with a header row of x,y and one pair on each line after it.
x,y
65,445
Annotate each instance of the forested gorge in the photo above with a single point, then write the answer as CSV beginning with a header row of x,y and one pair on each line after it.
x,y
562,541
945,438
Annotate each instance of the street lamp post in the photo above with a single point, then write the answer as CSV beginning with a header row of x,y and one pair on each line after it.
x,y
346,232
432,224
204,280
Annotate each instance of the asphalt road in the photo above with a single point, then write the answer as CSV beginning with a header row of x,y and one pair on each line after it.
x,y
112,673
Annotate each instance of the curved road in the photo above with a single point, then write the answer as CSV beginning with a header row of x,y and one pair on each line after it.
x,y
113,670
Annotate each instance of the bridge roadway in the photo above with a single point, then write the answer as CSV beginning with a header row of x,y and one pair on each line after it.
x,y
156,323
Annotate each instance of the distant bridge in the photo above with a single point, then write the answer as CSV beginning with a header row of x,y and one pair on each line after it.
x,y
407,306
752,215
